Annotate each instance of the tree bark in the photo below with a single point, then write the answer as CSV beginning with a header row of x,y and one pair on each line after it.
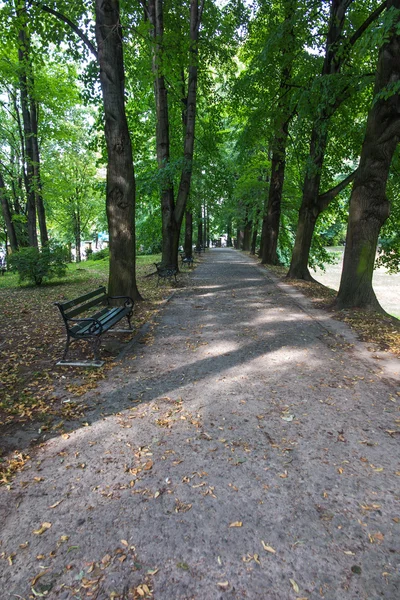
x,y
41,213
188,247
369,206
199,228
247,229
173,212
229,234
310,208
12,236
284,114
23,59
120,204
254,234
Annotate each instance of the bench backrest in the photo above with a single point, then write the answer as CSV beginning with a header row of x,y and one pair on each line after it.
x,y
83,303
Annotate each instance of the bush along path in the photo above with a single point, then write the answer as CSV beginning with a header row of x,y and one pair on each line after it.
x,y
243,450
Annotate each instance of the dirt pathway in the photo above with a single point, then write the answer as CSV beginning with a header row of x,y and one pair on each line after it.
x,y
241,451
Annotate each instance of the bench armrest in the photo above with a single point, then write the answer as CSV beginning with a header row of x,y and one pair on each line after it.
x,y
96,325
128,299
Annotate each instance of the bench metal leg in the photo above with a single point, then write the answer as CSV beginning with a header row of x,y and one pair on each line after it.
x,y
96,348
66,348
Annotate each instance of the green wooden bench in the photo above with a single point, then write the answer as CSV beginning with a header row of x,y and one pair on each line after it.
x,y
90,326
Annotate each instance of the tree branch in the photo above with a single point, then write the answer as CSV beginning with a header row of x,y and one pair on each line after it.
x,y
71,24
372,17
325,199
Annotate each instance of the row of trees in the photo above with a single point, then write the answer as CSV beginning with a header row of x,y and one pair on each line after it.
x,y
255,118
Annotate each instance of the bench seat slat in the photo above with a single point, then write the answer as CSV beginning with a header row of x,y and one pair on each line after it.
x,y
84,307
66,305
108,317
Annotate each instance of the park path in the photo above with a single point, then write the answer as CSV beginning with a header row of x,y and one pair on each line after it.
x,y
239,450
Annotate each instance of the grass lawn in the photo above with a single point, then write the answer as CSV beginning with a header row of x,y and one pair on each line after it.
x,y
32,339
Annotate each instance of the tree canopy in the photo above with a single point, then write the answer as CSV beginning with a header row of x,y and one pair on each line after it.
x,y
253,120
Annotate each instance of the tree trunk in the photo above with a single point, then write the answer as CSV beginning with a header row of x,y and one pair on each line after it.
x,y
78,240
12,236
196,13
229,234
44,237
120,202
205,223
23,59
369,206
169,233
199,229
188,247
272,216
173,212
248,226
254,236
309,209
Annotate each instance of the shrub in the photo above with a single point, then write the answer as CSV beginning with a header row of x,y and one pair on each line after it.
x,y
35,265
101,254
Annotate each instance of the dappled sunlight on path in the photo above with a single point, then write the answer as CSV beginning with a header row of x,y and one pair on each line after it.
x,y
239,450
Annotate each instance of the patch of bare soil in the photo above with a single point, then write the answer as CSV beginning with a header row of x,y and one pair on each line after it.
x,y
243,451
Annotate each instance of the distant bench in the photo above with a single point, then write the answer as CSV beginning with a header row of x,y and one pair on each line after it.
x,y
186,260
91,327
165,272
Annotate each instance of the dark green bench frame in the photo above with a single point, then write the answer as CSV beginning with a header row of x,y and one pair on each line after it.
x,y
165,272
92,327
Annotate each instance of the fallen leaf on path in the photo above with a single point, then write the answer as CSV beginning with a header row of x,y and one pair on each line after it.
x,y
376,537
236,524
56,503
223,584
294,586
148,465
38,576
268,548
124,543
42,528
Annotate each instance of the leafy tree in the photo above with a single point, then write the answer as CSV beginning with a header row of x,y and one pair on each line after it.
x,y
369,205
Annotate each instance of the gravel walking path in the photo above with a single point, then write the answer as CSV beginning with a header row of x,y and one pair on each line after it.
x,y
243,450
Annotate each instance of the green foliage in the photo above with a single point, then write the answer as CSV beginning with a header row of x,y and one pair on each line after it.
x,y
99,255
34,265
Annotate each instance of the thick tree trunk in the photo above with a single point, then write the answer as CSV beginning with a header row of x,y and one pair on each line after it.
x,y
23,59
248,227
254,236
369,207
120,174
309,209
305,229
188,247
12,236
229,234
